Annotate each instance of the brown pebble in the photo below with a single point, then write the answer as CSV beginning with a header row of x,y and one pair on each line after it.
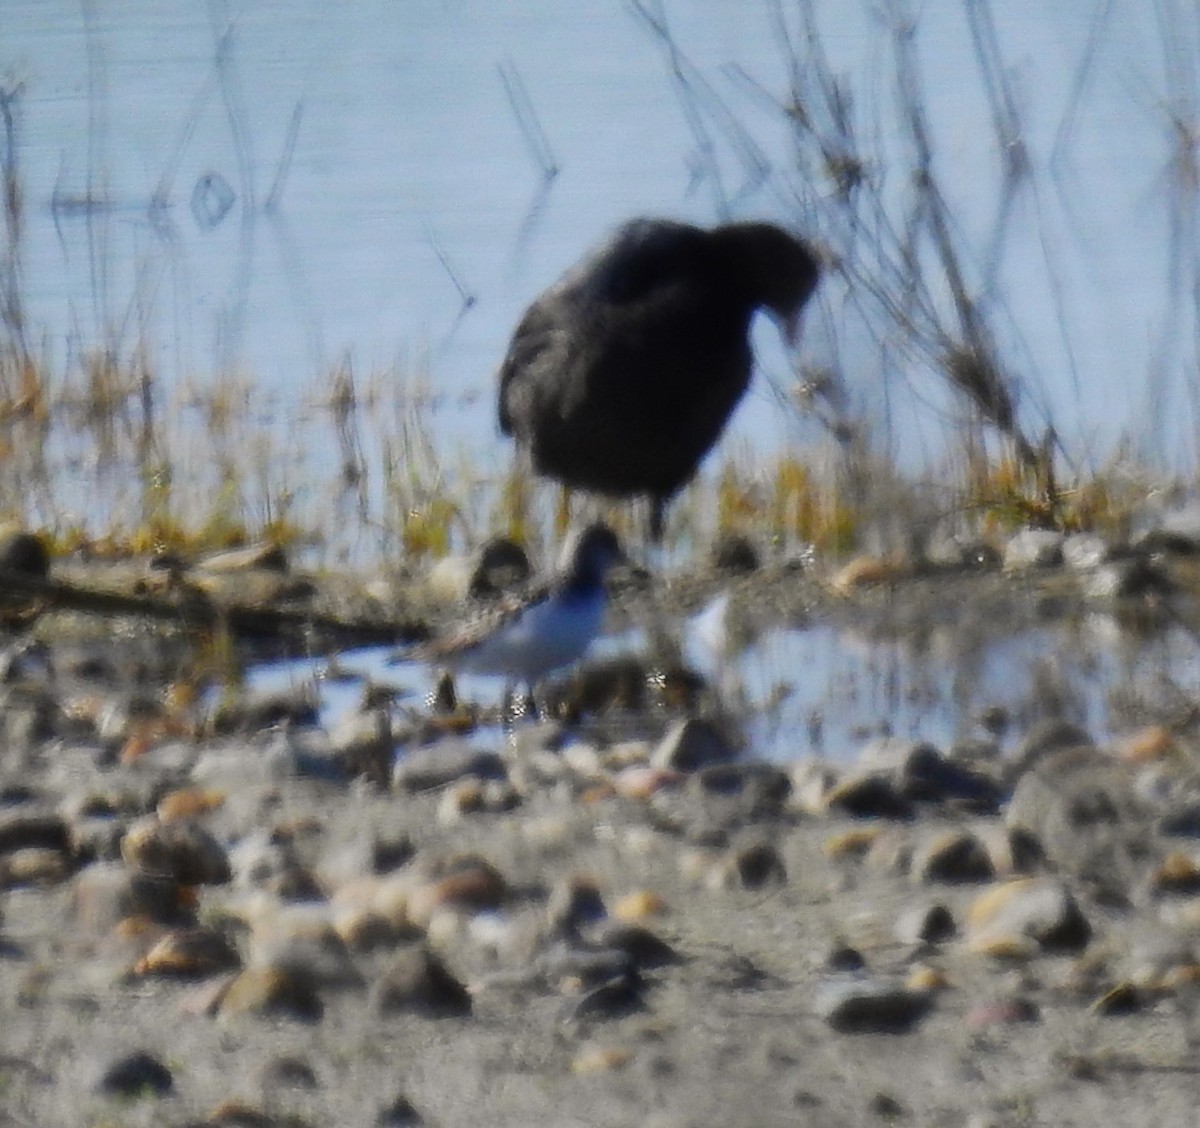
x,y
271,991
183,850
639,905
188,803
470,884
1003,919
188,952
1177,874
1122,999
927,979
601,1059
238,1114
867,571
34,865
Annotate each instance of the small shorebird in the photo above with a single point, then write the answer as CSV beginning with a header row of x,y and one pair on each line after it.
x,y
524,640
622,375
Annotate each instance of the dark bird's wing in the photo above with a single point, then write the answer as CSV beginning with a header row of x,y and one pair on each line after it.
x,y
645,262
645,256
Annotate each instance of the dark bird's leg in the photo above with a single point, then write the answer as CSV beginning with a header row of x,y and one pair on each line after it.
x,y
562,511
658,519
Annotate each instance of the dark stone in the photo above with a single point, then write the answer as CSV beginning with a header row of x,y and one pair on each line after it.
x,y
250,713
417,980
870,795
622,995
759,866
399,1113
852,1005
24,553
734,554
502,566
639,944
139,1074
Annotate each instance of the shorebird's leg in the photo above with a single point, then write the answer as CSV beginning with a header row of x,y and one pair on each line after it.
x,y
508,705
532,709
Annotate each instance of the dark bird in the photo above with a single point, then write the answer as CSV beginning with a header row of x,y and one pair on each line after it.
x,y
620,377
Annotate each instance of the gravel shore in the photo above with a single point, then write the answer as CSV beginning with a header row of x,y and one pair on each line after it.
x,y
264,923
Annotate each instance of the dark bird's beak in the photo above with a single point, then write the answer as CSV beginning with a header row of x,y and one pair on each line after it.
x,y
790,328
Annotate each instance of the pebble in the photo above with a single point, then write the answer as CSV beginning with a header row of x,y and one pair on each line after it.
x,y
1123,999
932,924
852,1004
106,893
34,865
271,991
754,867
753,791
364,741
601,1059
287,1073
919,772
467,884
622,995
1085,551
252,712
183,850
638,905
1033,548
851,844
955,857
1002,919
240,1114
573,902
1080,807
189,952
26,830
446,762
136,1075
867,571
733,554
24,553
1178,874
188,803
399,1112
302,938
692,744
417,981
868,795
646,949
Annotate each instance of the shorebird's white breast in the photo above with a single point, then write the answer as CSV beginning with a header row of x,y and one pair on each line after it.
x,y
541,639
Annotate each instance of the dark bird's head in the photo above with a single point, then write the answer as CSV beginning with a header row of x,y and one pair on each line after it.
x,y
770,269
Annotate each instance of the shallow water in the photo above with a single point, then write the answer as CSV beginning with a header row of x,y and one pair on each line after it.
x,y
826,691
